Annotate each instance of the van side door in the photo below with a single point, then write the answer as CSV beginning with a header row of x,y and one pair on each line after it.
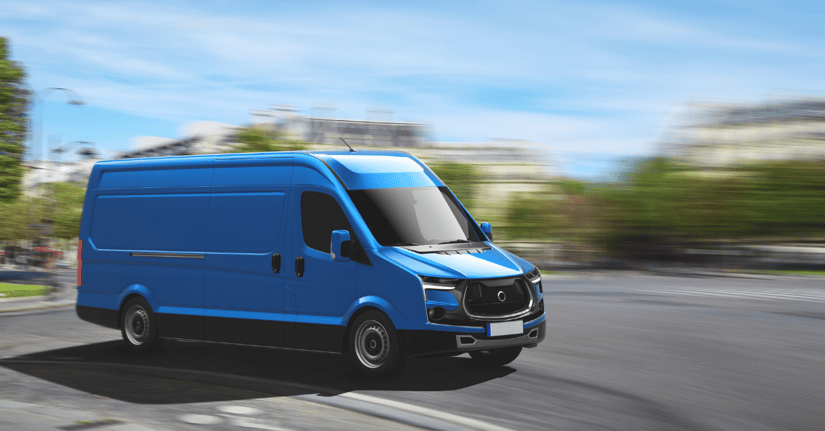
x,y
322,289
246,244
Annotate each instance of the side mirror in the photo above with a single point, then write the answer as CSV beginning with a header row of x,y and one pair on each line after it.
x,y
340,246
487,228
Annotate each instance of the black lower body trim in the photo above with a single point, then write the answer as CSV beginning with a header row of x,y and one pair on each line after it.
x,y
426,343
99,316
180,326
324,338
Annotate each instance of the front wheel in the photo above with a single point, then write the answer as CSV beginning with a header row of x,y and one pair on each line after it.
x,y
373,346
139,327
495,357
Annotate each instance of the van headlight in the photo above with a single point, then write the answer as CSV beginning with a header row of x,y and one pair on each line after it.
x,y
534,277
438,283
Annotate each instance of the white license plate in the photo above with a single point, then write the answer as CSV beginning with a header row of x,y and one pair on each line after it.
x,y
505,328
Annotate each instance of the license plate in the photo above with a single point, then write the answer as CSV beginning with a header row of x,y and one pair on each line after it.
x,y
505,328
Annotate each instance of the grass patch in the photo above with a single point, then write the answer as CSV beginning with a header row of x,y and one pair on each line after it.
x,y
17,290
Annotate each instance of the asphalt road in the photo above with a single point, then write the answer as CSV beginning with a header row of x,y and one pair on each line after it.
x,y
623,352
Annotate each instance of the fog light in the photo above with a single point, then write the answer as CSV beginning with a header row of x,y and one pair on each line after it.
x,y
436,313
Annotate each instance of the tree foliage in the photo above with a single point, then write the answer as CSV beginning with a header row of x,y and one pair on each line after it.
x,y
254,139
666,204
64,206
14,219
62,203
14,104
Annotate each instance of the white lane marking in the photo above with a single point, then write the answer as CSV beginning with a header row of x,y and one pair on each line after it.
x,y
435,414
235,416
238,410
253,423
200,419
794,295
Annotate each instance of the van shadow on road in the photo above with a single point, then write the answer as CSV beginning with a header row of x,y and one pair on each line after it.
x,y
190,372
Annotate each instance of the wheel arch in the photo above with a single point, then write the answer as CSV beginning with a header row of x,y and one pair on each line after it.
x,y
135,290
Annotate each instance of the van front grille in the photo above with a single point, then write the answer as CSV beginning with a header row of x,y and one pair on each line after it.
x,y
492,298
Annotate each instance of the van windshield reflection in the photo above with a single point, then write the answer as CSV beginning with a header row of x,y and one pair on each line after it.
x,y
412,216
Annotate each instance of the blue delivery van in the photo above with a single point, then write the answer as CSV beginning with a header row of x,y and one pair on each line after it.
x,y
366,254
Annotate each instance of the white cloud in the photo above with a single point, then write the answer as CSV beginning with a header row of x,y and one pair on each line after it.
x,y
610,73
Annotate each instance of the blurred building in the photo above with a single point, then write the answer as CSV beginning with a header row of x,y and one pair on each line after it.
x,y
724,135
41,172
330,131
507,167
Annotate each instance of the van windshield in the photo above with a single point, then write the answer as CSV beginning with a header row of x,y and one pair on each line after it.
x,y
409,216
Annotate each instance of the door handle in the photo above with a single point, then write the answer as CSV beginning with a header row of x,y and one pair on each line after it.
x,y
299,267
276,262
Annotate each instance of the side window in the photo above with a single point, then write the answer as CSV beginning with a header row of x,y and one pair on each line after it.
x,y
320,215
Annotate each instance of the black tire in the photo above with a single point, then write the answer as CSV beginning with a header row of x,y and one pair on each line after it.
x,y
496,357
139,326
373,346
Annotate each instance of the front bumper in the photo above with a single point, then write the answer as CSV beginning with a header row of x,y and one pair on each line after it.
x,y
425,343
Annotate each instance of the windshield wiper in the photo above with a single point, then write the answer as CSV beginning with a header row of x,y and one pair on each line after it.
x,y
456,241
401,244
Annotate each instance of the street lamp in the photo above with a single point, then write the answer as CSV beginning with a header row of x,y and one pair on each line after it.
x,y
40,99
65,148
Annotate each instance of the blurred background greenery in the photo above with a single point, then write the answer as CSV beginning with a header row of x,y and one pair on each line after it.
x,y
658,208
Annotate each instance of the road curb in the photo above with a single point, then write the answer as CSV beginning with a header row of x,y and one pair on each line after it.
x,y
7,307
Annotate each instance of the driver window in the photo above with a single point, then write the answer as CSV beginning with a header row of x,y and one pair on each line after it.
x,y
320,215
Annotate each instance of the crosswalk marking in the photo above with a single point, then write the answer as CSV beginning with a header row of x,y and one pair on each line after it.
x,y
790,294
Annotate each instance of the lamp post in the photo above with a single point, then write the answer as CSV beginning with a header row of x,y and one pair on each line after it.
x,y
40,99
65,148
73,98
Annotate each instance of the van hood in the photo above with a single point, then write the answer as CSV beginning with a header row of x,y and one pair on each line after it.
x,y
492,263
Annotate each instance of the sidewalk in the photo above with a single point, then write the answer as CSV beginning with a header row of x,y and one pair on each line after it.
x,y
23,417
63,298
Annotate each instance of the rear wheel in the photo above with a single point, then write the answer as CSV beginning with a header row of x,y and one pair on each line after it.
x,y
495,357
373,346
139,326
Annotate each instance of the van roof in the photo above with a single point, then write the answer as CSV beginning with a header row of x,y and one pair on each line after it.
x,y
355,169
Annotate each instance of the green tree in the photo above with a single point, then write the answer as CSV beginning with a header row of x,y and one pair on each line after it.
x,y
14,104
66,206
255,139
14,220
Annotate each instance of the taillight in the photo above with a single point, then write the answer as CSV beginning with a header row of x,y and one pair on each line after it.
x,y
79,261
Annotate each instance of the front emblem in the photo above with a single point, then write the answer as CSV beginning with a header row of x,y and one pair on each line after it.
x,y
501,296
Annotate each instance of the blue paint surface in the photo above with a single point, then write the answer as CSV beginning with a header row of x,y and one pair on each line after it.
x,y
215,227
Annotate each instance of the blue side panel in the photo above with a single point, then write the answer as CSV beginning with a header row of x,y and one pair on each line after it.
x,y
158,176
400,290
247,214
169,178
98,300
119,180
245,222
242,282
169,222
173,281
142,291
246,175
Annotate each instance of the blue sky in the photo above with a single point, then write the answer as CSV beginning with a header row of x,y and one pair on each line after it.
x,y
585,81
